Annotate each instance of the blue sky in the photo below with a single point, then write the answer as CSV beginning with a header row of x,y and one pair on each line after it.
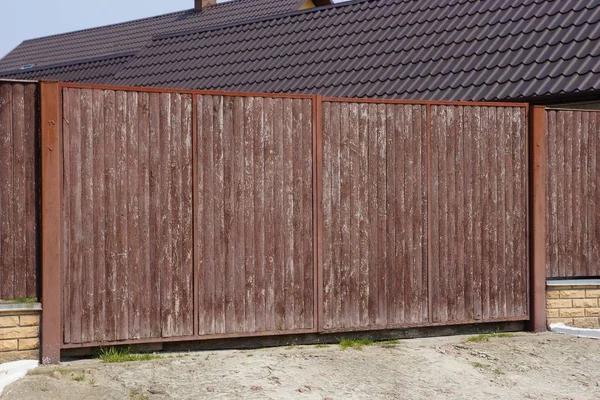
x,y
28,19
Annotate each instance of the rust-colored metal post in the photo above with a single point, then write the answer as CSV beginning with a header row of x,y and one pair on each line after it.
x,y
51,143
538,170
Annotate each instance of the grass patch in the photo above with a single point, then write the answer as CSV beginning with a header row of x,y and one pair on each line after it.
x,y
485,337
357,344
78,378
21,300
114,355
478,365
388,343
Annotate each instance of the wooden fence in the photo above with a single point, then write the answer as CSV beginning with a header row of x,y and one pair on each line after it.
x,y
573,193
19,208
184,215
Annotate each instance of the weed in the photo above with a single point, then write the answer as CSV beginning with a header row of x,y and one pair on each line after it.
x,y
207,357
357,344
498,371
291,346
21,300
388,343
135,395
78,378
249,355
114,355
92,381
485,337
321,345
478,365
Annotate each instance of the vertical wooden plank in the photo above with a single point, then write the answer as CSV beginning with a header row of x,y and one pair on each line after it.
x,y
326,204
344,212
51,144
219,238
187,274
156,220
133,217
392,294
269,221
122,253
32,158
98,224
239,171
336,293
470,173
364,195
278,214
402,221
381,217
164,242
76,234
259,212
288,211
6,194
318,212
307,217
19,190
249,180
206,162
355,215
174,325
87,214
145,268
228,215
298,283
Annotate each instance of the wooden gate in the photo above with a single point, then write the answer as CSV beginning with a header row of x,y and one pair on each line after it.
x,y
185,215
188,215
424,213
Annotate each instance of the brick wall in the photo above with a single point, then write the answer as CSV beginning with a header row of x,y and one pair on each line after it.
x,y
577,306
19,335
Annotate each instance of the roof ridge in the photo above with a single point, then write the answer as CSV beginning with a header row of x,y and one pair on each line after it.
x,y
104,57
168,35
133,21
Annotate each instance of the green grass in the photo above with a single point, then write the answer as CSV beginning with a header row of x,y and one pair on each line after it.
x,y
22,300
114,355
388,343
78,378
478,365
357,344
485,337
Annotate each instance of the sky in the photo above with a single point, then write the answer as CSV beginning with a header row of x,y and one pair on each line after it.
x,y
29,19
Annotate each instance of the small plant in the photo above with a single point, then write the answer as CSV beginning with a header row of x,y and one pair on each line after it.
x,y
207,357
135,395
114,355
249,355
478,365
388,343
78,378
498,371
485,337
321,345
357,344
20,300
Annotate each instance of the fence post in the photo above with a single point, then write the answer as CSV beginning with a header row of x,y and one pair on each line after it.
x,y
51,151
537,207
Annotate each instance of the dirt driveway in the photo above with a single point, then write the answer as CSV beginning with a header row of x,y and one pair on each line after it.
x,y
545,366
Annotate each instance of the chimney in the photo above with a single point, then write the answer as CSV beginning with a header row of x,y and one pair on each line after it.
x,y
200,5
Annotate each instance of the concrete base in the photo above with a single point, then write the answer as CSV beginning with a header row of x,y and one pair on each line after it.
x,y
579,332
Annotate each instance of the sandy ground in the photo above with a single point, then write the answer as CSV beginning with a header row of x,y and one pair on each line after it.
x,y
527,366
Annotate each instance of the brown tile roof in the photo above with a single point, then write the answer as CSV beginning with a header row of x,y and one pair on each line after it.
x,y
412,49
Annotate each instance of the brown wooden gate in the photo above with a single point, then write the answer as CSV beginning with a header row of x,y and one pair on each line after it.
x,y
185,215
424,213
190,215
